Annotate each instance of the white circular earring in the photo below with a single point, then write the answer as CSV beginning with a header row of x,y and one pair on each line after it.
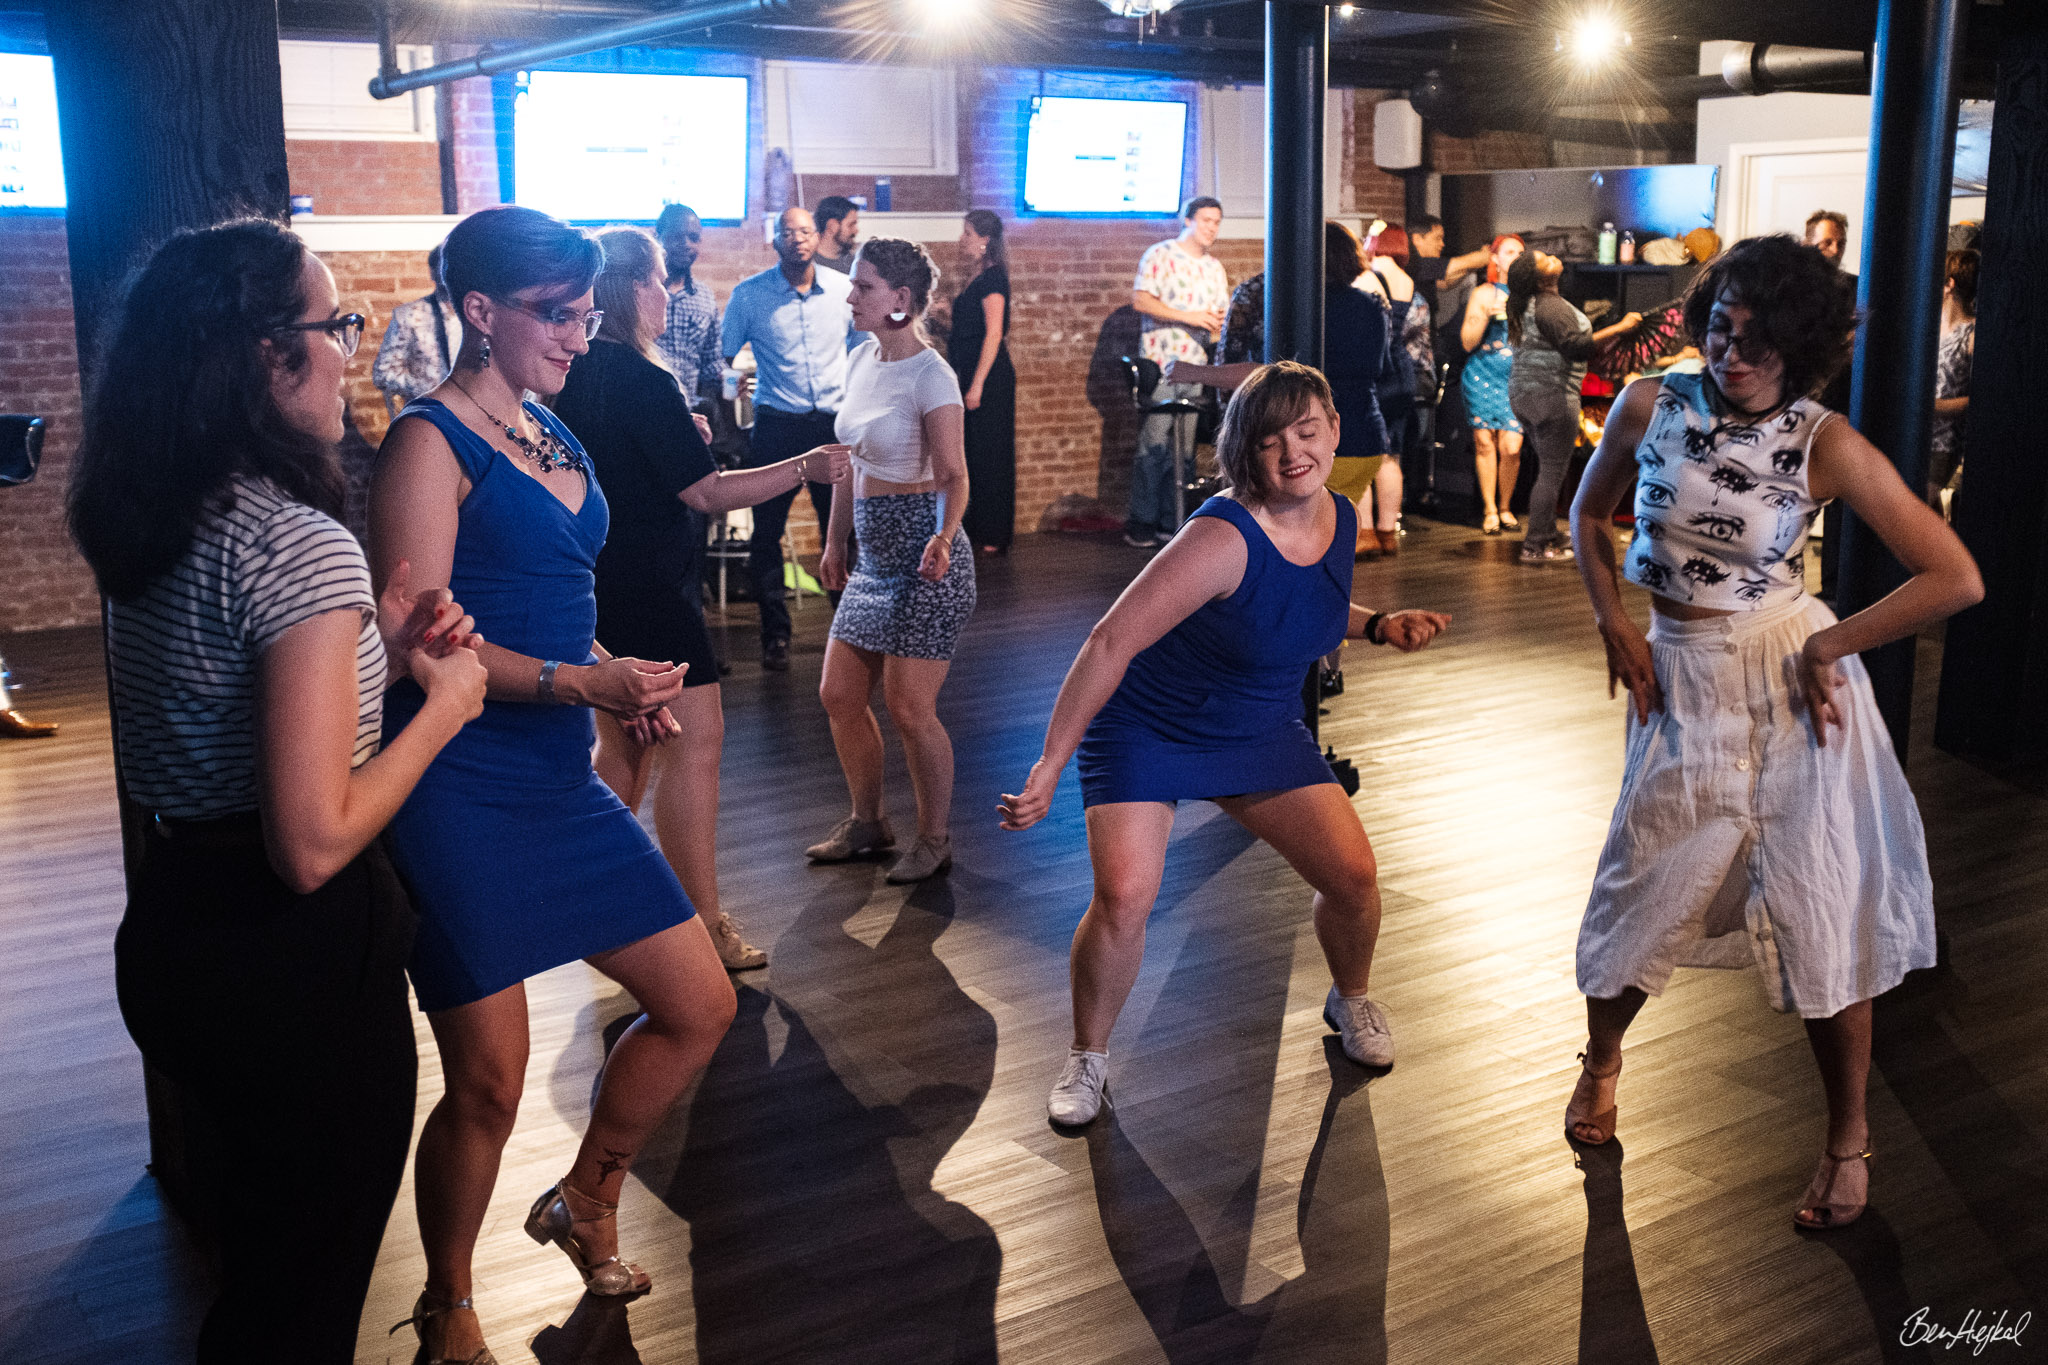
x,y
899,317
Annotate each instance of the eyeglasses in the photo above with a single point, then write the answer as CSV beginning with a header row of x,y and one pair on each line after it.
x,y
1753,348
347,330
557,319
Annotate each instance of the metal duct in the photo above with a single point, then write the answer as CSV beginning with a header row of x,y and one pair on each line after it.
x,y
1762,68
389,83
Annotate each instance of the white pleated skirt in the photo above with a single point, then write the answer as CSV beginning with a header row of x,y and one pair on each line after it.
x,y
1739,840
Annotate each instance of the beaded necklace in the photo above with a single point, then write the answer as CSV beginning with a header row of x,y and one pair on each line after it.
x,y
548,454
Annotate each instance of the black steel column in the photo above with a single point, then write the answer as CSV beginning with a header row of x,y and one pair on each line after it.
x,y
1297,74
1905,238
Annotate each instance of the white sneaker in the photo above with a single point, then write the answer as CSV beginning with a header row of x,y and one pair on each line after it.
x,y
1362,1024
1082,1089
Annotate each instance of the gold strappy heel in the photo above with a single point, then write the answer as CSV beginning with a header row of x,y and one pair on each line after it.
x,y
1823,1212
1602,1123
552,1220
424,1310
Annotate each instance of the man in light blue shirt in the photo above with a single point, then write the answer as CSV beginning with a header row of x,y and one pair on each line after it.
x,y
800,325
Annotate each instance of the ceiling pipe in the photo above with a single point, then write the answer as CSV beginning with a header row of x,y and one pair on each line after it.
x,y
386,84
1763,68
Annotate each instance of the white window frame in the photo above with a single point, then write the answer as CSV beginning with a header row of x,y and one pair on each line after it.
x,y
351,114
855,88
1227,150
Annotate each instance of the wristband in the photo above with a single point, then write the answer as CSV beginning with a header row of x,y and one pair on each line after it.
x,y
1374,635
545,691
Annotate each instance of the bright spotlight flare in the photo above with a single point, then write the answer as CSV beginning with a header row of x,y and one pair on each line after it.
x,y
945,13
1595,39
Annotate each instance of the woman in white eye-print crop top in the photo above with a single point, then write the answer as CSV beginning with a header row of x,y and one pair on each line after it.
x,y
1763,816
1722,505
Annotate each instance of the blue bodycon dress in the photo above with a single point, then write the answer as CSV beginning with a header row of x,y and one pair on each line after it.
x,y
518,858
1214,707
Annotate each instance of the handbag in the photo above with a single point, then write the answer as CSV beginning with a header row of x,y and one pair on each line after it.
x,y
21,448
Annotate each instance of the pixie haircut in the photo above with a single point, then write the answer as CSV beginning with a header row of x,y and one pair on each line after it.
x,y
1796,301
499,251
1274,398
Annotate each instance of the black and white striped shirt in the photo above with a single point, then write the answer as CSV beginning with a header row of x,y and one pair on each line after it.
x,y
183,653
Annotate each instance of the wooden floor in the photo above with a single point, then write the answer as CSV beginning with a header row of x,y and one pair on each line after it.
x,y
865,1174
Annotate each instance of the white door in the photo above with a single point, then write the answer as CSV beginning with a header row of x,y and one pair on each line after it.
x,y
1778,185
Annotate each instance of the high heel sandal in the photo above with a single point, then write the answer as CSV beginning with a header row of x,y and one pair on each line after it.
x,y
1491,525
1508,522
1820,1214
552,1220
424,1310
1602,1123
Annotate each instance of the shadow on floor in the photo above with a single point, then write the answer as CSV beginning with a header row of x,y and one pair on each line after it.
x,y
806,1170
1614,1327
1335,1310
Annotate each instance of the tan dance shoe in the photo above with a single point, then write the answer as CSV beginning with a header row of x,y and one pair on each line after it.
x,y
1580,1126
553,1220
14,725
1820,1210
734,951
424,1310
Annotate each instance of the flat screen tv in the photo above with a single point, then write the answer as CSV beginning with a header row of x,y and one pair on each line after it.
x,y
1090,156
592,146
31,159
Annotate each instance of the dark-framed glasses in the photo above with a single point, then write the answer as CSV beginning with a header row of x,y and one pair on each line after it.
x,y
1752,347
558,319
347,330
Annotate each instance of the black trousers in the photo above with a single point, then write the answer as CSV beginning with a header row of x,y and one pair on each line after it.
x,y
282,1022
1550,424
782,436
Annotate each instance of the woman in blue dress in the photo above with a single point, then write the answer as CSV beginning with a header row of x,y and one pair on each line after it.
x,y
1496,434
518,858
1190,690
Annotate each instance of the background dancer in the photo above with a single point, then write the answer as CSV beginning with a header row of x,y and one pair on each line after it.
x,y
1190,689
1763,814
1496,434
650,453
911,590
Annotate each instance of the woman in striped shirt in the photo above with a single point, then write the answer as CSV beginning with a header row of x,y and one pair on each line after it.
x,y
260,965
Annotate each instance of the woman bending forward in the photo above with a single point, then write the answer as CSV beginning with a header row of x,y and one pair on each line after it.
x,y
1190,689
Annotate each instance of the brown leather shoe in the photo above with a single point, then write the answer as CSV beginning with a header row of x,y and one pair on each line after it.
x,y
1390,543
14,725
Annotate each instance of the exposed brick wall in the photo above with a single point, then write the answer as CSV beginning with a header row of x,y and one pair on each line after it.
x,y
366,176
47,583
1076,426
1489,151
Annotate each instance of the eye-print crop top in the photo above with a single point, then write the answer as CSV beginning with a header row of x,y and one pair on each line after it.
x,y
1722,506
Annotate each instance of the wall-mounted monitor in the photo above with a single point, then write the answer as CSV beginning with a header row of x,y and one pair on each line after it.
x,y
1090,156
31,158
593,146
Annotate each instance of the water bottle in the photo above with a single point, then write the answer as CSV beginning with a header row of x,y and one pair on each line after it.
x,y
1628,248
1605,252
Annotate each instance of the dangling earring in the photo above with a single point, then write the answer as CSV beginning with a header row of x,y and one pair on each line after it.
x,y
483,355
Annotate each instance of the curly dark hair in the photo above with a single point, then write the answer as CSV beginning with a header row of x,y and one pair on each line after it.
x,y
1798,301
170,422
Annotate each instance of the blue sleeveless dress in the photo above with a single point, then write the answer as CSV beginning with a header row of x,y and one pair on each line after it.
x,y
1485,380
1213,708
518,858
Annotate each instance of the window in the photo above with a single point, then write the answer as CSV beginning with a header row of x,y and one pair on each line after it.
x,y
863,120
1231,161
327,94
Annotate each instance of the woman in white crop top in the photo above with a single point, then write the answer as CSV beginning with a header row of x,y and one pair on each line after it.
x,y
1764,817
911,590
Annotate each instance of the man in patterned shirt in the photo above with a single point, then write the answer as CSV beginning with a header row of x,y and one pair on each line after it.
x,y
689,341
1180,293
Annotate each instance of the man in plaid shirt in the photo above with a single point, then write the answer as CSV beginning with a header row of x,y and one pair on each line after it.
x,y
690,340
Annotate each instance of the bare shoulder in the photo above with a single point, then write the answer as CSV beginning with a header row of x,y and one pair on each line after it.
x,y
1208,552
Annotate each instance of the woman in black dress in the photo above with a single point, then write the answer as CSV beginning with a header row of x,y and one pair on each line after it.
x,y
980,355
651,454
